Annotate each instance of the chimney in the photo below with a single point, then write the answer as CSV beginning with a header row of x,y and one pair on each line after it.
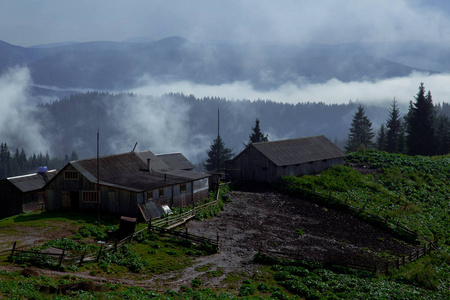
x,y
149,164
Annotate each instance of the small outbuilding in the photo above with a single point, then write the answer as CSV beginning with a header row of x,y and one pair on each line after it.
x,y
125,183
24,193
266,162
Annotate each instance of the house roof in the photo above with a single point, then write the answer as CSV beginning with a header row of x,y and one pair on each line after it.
x,y
31,182
130,171
176,161
300,150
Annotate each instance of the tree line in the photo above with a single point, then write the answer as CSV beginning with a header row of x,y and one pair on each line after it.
x,y
18,163
424,130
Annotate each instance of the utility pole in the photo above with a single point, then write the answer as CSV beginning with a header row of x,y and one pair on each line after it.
x,y
98,178
218,140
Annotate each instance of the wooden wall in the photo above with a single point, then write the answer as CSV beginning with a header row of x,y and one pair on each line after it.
x,y
252,165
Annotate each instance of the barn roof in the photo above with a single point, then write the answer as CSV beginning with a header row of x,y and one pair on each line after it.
x,y
176,161
300,150
31,182
130,171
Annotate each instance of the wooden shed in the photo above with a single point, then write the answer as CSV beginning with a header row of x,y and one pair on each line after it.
x,y
127,182
23,193
266,162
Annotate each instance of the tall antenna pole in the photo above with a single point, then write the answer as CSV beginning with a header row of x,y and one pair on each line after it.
x,y
98,177
218,140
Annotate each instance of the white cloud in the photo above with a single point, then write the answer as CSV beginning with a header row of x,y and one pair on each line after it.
x,y
18,127
334,91
156,124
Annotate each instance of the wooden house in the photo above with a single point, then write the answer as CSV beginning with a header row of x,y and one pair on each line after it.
x,y
266,162
23,193
125,184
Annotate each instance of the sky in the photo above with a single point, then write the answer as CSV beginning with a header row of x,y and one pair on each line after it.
x,y
29,22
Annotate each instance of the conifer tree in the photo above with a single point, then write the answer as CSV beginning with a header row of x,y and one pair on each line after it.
x,y
443,135
381,138
420,123
257,136
361,133
217,155
394,130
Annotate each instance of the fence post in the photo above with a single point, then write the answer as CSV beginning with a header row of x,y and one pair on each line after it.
x,y
417,253
13,249
424,248
149,226
398,263
115,246
387,268
186,233
99,254
82,258
403,260
62,257
410,255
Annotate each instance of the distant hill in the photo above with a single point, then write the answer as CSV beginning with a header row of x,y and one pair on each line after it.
x,y
177,122
119,65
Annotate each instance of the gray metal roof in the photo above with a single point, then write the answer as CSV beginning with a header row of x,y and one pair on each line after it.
x,y
300,150
176,161
129,171
32,182
151,210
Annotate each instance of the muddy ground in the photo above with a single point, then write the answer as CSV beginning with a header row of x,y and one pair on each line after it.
x,y
272,221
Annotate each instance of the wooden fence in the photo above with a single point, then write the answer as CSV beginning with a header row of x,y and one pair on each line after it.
x,y
392,225
162,226
387,223
376,268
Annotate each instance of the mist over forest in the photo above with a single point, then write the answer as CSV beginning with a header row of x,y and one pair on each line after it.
x,y
165,94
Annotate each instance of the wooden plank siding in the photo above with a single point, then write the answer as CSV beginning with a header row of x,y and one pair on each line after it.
x,y
67,193
266,162
13,201
62,193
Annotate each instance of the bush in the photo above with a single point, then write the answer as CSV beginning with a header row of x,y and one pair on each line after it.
x,y
195,283
246,290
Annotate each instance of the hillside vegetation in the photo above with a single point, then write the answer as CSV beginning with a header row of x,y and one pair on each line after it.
x,y
411,190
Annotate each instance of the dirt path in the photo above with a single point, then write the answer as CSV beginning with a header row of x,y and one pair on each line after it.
x,y
273,222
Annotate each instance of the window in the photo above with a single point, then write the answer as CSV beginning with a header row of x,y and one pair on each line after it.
x,y
70,175
150,195
183,188
161,193
90,196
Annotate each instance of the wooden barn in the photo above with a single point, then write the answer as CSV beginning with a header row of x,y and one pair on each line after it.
x,y
23,193
127,183
266,162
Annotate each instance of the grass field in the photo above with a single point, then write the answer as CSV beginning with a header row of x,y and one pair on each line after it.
x,y
413,190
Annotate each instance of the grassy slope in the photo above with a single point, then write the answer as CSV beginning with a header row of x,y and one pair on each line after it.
x,y
412,189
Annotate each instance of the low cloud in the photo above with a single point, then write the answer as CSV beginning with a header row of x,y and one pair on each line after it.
x,y
158,124
18,126
333,91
